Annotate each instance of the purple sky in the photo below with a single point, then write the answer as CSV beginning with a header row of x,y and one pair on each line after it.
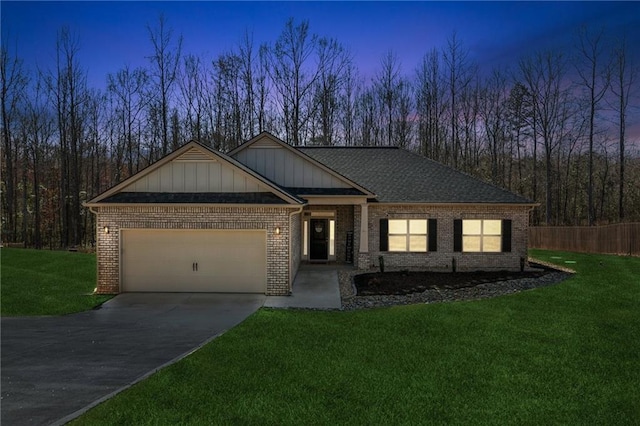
x,y
113,34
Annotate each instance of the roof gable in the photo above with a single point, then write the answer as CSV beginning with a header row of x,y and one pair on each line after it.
x,y
194,169
291,168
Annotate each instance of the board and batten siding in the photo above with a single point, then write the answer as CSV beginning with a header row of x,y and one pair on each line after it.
x,y
196,176
286,168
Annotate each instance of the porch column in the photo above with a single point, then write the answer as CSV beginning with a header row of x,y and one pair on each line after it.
x,y
364,228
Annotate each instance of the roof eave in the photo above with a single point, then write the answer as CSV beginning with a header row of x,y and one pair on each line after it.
x,y
461,203
93,205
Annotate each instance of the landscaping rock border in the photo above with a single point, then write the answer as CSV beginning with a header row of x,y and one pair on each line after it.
x,y
351,301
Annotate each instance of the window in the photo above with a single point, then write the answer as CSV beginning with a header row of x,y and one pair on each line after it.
x,y
332,237
407,235
481,235
305,238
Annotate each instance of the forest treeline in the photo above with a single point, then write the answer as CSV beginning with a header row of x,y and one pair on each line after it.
x,y
552,127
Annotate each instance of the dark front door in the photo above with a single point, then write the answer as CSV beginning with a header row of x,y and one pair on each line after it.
x,y
319,240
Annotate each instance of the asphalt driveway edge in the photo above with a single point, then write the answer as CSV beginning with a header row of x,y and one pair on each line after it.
x,y
148,374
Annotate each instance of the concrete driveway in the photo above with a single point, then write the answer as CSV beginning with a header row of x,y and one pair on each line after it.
x,y
55,366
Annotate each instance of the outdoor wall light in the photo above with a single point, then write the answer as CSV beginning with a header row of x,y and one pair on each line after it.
x,y
277,230
106,229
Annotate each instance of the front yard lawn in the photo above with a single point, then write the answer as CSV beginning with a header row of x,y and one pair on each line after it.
x,y
565,354
43,282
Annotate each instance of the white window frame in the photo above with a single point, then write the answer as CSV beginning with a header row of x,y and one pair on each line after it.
x,y
330,215
305,238
407,234
484,236
332,238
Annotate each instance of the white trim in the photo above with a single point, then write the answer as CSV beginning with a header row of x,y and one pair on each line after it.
x,y
364,228
320,200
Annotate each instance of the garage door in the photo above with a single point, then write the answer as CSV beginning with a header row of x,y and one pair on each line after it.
x,y
194,261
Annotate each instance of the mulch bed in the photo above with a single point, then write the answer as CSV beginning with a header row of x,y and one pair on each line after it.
x,y
410,282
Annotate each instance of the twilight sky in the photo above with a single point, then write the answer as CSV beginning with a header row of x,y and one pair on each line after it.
x,y
113,34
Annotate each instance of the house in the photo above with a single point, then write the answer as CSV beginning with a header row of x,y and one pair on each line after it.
x,y
202,221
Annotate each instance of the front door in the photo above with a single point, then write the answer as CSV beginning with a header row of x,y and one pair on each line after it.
x,y
319,240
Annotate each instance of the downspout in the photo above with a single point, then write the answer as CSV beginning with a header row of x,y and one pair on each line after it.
x,y
291,276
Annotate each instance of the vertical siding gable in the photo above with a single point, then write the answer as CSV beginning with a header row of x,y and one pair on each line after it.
x,y
197,175
215,177
154,182
202,177
177,177
286,168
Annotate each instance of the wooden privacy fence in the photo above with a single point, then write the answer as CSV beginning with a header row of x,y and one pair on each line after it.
x,y
621,238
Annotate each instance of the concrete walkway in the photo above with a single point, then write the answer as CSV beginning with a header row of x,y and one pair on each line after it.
x,y
55,367
315,287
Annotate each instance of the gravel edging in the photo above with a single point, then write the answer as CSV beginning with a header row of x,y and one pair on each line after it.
x,y
351,301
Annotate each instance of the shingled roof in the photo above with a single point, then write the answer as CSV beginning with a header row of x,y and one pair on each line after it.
x,y
399,176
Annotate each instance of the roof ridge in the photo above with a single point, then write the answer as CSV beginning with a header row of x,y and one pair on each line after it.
x,y
347,147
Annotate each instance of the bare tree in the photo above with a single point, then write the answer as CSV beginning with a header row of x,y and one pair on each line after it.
x,y
594,76
333,63
68,87
430,106
386,85
517,112
193,90
471,137
292,77
228,104
493,113
460,72
368,118
13,83
130,90
402,123
165,60
39,128
348,105
544,76
248,63
262,89
624,77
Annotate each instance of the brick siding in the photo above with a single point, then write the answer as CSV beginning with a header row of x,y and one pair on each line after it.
x,y
281,267
442,258
187,217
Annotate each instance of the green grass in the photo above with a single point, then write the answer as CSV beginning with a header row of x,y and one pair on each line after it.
x,y
41,282
566,354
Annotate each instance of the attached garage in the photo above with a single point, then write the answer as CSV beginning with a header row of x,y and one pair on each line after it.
x,y
229,261
195,221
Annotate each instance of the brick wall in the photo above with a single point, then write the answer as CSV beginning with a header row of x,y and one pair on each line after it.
x,y
442,258
186,217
